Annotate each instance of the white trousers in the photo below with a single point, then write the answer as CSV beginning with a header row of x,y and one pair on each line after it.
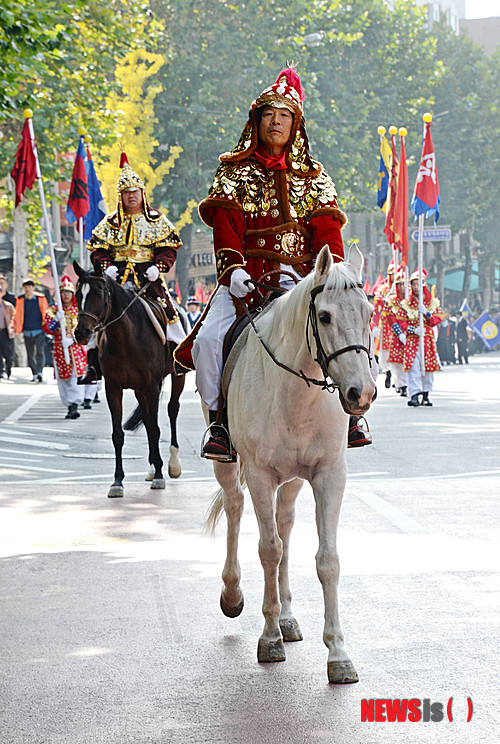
x,y
383,359
175,332
418,382
69,391
400,376
207,347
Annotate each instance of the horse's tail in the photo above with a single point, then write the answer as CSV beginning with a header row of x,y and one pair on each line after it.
x,y
134,420
216,507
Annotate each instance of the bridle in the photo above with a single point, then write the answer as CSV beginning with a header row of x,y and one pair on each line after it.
x,y
102,323
322,358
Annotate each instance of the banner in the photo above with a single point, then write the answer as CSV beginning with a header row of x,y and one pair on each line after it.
x,y
24,170
97,207
425,198
383,173
487,330
78,202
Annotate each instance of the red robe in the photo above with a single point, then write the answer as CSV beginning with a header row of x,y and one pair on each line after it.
x,y
409,321
77,354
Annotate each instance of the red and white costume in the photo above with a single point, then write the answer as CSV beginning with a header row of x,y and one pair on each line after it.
x,y
384,311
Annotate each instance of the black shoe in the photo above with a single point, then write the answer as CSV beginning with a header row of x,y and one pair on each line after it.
x,y
39,378
96,398
72,412
425,400
88,377
218,446
414,401
86,404
387,382
357,436
403,391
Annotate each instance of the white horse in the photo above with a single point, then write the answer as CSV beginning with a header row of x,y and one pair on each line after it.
x,y
287,430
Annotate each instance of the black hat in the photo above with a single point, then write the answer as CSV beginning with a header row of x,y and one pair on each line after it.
x,y
28,281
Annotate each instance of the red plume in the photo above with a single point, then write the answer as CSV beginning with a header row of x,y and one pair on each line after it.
x,y
293,80
123,159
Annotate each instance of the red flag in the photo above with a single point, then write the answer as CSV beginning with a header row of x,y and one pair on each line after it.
x,y
400,223
78,202
24,170
377,284
199,294
391,193
366,285
426,194
177,291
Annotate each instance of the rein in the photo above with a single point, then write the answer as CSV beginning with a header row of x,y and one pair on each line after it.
x,y
103,324
322,359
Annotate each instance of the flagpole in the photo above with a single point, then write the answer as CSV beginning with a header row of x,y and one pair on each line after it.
x,y
427,118
28,114
80,232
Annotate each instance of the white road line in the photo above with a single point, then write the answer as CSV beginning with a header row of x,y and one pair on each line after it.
x,y
38,443
363,475
106,476
22,452
39,427
18,432
9,465
24,408
398,518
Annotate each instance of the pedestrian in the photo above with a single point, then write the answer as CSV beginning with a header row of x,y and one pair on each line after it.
x,y
193,311
385,335
8,296
463,339
28,319
72,395
420,372
7,334
135,245
272,208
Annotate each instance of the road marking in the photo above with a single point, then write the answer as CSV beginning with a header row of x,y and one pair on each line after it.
x,y
24,408
37,443
362,475
107,476
22,452
398,518
10,465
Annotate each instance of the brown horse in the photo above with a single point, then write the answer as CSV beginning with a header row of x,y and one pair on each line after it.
x,y
131,355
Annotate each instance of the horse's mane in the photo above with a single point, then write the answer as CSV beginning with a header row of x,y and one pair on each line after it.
x,y
290,311
121,295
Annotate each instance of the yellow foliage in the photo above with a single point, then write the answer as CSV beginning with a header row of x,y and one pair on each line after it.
x,y
185,218
135,120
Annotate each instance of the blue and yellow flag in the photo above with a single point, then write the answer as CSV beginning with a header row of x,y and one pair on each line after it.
x,y
383,173
486,328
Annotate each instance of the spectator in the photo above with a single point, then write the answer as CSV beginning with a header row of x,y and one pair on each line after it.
x,y
28,318
193,310
7,334
8,296
463,339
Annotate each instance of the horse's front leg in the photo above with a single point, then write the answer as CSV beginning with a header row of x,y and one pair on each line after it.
x,y
114,397
328,490
263,489
285,517
149,401
177,386
227,475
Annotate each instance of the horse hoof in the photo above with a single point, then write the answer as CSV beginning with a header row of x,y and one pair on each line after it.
x,y
342,673
290,630
229,610
151,473
115,492
174,464
158,483
268,651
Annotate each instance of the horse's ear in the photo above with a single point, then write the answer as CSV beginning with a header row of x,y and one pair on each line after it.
x,y
355,259
323,264
78,269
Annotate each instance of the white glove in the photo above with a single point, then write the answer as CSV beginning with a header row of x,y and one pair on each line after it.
x,y
237,288
402,337
422,308
67,341
152,273
112,272
59,315
419,331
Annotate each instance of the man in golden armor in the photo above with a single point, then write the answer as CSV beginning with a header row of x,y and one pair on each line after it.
x,y
135,245
272,207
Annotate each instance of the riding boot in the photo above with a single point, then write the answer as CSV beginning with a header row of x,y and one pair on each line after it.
x,y
388,376
414,401
357,436
72,411
93,371
218,446
425,400
178,368
403,391
86,404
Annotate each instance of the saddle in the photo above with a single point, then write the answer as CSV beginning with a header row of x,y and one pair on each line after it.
x,y
157,316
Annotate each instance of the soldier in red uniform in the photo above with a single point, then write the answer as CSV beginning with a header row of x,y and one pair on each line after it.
x,y
398,337
420,377
385,334
271,207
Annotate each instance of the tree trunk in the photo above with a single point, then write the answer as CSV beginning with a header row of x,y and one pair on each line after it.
x,y
465,244
20,242
182,262
440,276
486,279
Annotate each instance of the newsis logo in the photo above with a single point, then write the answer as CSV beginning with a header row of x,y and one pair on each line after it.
x,y
413,710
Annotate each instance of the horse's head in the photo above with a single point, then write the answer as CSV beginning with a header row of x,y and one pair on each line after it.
x,y
92,295
343,315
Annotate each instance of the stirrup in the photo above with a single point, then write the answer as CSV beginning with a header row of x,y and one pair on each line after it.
x,y
231,456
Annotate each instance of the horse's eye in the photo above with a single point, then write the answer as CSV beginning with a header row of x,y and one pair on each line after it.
x,y
324,317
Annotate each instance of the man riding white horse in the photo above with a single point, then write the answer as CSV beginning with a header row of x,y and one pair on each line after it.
x,y
136,244
272,207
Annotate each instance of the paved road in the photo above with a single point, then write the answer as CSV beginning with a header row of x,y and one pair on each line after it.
x,y
109,621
